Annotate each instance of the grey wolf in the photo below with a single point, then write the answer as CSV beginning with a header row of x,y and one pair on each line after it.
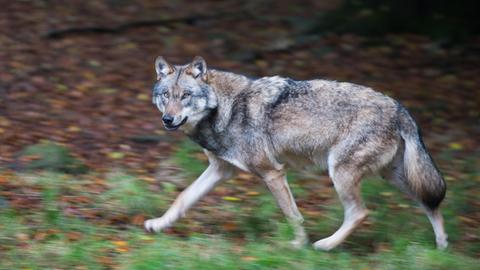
x,y
262,125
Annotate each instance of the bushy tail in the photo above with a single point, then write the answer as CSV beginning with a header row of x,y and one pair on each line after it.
x,y
423,177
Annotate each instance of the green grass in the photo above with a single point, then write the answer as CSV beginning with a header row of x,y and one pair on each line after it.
x,y
246,233
130,195
185,158
218,253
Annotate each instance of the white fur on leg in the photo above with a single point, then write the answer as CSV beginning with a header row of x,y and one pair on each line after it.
x,y
156,224
436,219
301,238
212,175
352,219
346,184
278,185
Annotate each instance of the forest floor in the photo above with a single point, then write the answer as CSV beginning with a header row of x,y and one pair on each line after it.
x,y
80,76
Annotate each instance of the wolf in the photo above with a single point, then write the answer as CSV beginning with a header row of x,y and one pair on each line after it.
x,y
263,125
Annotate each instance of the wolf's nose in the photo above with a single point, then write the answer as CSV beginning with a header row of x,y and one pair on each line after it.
x,y
167,119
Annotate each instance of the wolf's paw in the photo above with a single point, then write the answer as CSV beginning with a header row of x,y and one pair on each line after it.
x,y
155,225
324,244
442,244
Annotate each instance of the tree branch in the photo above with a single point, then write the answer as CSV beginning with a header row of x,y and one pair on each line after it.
x,y
88,30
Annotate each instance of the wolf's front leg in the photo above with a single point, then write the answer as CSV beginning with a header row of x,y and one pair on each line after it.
x,y
216,171
277,183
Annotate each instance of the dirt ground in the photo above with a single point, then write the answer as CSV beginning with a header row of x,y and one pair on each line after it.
x,y
81,73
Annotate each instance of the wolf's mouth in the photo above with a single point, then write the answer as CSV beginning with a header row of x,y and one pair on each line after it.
x,y
175,127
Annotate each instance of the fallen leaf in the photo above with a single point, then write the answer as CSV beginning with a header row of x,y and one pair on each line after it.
x,y
4,122
74,236
455,146
73,129
229,226
146,238
116,155
253,193
249,258
449,178
244,176
39,236
107,91
105,260
143,97
231,199
402,205
138,219
120,243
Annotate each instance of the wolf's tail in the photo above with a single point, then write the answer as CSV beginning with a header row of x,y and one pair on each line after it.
x,y
423,177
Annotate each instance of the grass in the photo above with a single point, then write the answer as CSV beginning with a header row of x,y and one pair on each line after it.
x,y
219,253
92,222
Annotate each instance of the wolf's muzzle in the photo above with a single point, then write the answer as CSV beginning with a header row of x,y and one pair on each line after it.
x,y
167,119
168,123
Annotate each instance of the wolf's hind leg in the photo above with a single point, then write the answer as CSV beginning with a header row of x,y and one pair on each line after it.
x,y
436,219
395,173
277,183
347,185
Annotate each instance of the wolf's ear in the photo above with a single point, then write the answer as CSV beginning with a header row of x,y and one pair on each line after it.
x,y
199,68
162,67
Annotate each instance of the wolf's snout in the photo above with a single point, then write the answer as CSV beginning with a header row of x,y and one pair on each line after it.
x,y
167,119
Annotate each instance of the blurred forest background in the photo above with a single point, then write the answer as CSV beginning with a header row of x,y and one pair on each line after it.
x,y
84,159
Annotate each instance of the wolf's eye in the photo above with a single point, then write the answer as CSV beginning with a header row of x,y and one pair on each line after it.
x,y
186,95
165,95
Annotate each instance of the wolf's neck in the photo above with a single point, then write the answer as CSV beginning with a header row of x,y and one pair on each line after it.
x,y
226,86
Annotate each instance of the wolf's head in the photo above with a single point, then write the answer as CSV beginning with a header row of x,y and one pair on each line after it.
x,y
182,93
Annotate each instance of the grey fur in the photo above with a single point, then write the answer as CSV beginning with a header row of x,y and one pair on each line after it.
x,y
258,125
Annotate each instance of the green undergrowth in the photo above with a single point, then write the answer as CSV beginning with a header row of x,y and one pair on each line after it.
x,y
89,222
